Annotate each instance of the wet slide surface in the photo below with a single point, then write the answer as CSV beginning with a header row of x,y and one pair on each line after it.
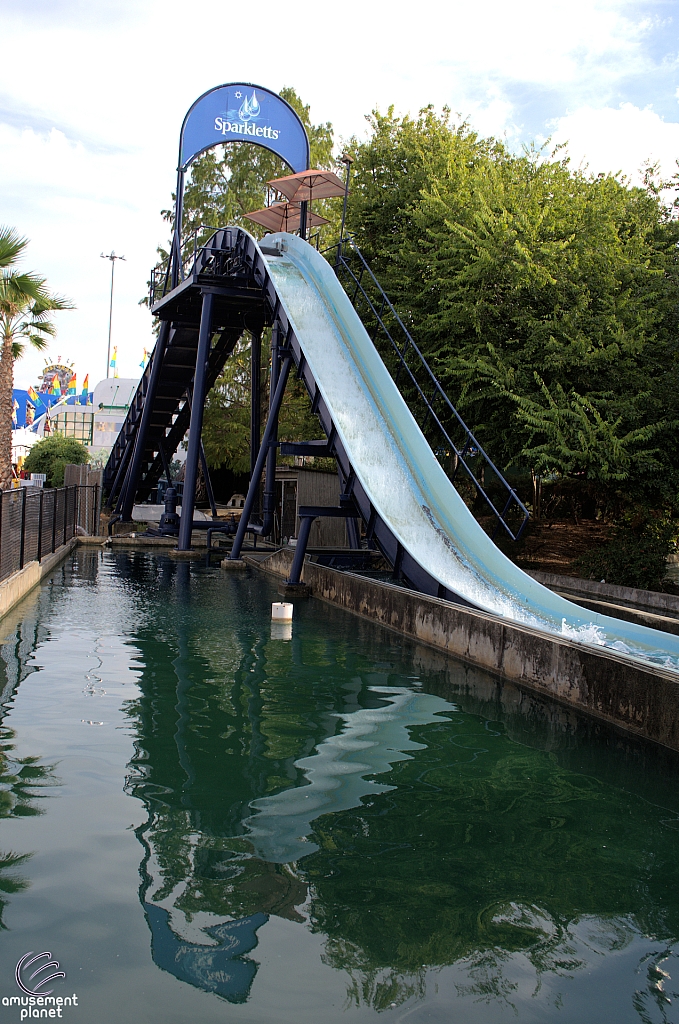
x,y
404,480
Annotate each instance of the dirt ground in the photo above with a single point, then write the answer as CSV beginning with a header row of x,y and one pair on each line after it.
x,y
554,545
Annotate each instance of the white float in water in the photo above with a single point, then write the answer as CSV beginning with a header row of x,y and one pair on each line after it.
x,y
281,611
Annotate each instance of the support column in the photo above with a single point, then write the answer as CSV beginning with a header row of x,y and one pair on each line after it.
x,y
176,269
129,488
208,482
255,398
269,502
270,433
303,209
196,424
255,403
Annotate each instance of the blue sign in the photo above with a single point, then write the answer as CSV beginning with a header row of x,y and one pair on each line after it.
x,y
241,112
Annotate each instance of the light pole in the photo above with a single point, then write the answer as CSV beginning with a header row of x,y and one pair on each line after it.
x,y
112,257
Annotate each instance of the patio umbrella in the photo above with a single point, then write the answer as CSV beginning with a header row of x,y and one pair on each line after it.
x,y
308,185
283,217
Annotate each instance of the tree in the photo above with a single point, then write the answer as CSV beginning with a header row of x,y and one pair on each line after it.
x,y
52,454
544,298
226,424
26,308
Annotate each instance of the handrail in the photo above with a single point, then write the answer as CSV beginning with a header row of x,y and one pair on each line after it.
x,y
193,261
378,306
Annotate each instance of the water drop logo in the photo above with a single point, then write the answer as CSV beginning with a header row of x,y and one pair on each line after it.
x,y
25,964
247,118
249,108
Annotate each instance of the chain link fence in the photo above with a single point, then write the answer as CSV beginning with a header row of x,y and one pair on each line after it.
x,y
34,522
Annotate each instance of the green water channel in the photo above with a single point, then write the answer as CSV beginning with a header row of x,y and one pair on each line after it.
x,y
205,822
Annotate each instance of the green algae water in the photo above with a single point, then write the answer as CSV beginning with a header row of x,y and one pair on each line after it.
x,y
204,820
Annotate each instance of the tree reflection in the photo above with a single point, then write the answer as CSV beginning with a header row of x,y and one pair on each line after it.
x,y
23,781
495,834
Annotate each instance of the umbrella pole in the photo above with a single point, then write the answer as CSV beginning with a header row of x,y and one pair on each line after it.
x,y
302,219
347,161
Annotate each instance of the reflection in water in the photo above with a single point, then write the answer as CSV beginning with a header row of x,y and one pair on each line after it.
x,y
23,781
370,742
257,762
444,837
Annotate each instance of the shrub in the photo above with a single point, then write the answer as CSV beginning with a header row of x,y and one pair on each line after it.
x,y
636,556
52,454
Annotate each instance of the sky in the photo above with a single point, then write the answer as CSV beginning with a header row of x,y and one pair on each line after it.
x,y
92,97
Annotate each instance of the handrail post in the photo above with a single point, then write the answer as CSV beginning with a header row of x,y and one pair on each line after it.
x,y
22,542
63,540
54,519
39,552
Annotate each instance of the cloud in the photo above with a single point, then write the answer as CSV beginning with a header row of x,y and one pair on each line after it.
x,y
92,98
622,139
72,204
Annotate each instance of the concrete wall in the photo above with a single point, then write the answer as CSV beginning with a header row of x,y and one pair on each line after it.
x,y
651,600
641,700
15,588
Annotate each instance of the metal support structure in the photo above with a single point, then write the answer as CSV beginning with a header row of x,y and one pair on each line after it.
x,y
166,464
305,524
232,267
307,515
255,398
303,208
208,481
269,498
129,488
176,254
347,161
118,488
203,463
353,532
270,432
38,554
197,403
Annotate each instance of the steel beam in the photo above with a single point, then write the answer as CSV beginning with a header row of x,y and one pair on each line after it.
x,y
269,433
196,426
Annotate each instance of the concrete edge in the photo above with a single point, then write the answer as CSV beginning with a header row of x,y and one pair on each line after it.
x,y
574,586
665,623
638,699
15,587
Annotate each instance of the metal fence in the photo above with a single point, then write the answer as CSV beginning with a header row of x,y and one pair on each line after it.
x,y
34,522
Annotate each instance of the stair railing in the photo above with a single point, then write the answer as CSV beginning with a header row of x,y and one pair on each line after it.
x,y
429,403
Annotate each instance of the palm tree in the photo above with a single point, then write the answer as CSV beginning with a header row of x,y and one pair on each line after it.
x,y
26,308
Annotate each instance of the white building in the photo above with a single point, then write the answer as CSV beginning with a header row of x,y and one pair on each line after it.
x,y
98,425
112,399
